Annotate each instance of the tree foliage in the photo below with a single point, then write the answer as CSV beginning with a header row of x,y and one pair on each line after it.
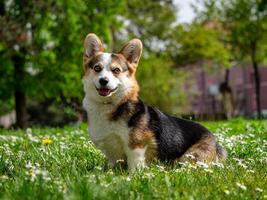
x,y
42,44
197,42
162,85
246,24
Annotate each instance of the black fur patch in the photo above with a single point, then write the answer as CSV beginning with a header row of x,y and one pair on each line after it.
x,y
121,109
173,135
133,111
139,111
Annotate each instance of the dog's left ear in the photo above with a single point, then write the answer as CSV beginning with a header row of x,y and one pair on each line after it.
x,y
132,51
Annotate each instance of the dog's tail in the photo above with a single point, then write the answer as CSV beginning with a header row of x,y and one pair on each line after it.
x,y
221,152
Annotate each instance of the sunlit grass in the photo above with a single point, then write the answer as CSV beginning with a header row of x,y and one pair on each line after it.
x,y
53,163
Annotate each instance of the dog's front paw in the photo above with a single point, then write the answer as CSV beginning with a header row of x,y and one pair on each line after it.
x,y
137,168
136,159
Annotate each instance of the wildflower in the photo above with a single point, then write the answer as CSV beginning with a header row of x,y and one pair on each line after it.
x,y
258,189
216,164
98,168
9,164
10,138
28,131
110,172
241,186
202,164
227,192
208,170
61,186
161,168
63,145
47,141
45,175
83,138
29,165
120,161
190,156
29,135
106,185
251,171
149,175
191,166
181,163
242,165
31,174
3,177
34,171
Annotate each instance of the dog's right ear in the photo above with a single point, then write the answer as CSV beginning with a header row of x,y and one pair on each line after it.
x,y
92,45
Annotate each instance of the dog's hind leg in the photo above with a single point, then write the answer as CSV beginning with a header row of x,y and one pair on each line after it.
x,y
205,150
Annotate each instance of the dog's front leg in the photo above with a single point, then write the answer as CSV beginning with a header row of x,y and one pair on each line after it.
x,y
136,158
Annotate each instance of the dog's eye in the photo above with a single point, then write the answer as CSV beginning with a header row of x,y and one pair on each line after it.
x,y
116,70
97,68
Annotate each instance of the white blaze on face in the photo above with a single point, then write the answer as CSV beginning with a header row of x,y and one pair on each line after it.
x,y
121,84
106,73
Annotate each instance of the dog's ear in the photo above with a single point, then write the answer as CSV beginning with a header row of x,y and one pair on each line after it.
x,y
92,45
132,51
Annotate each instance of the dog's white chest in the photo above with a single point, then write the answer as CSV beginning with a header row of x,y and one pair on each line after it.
x,y
109,136
101,126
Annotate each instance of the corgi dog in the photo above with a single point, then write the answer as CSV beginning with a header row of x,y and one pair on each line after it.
x,y
123,127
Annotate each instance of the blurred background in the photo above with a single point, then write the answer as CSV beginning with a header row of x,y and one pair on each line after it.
x,y
203,59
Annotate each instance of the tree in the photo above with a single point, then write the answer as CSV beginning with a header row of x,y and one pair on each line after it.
x,y
17,24
41,48
198,42
151,21
246,24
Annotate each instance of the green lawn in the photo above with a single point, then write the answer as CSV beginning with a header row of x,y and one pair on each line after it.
x,y
61,163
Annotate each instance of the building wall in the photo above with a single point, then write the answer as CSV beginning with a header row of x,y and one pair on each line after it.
x,y
206,99
243,85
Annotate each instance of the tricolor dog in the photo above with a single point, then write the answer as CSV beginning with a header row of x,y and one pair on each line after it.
x,y
123,127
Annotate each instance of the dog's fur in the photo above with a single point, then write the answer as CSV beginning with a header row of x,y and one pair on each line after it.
x,y
123,127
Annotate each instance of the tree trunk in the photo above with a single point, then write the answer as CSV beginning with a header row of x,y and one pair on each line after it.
x,y
226,76
256,79
21,113
20,95
257,88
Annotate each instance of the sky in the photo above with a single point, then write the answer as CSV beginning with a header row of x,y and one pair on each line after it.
x,y
185,13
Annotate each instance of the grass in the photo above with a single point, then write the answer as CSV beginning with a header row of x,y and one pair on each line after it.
x,y
55,163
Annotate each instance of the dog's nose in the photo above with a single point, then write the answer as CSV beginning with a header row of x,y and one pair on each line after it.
x,y
103,81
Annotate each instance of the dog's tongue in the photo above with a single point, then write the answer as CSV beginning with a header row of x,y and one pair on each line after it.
x,y
104,91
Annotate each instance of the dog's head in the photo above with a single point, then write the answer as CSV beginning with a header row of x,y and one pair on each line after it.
x,y
110,77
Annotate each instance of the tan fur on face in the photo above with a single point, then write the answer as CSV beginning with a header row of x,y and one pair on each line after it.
x,y
86,62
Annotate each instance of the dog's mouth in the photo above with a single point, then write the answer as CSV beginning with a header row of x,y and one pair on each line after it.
x,y
105,91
